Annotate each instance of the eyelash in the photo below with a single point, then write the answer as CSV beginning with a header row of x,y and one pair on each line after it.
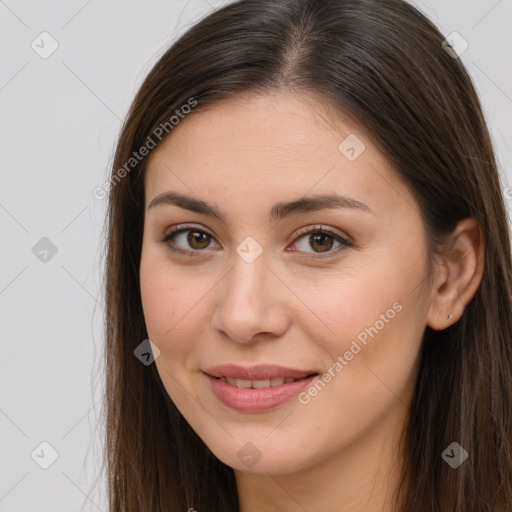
x,y
180,228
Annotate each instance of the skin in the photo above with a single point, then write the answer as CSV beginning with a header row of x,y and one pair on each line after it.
x,y
342,449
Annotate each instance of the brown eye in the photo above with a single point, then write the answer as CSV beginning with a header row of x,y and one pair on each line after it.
x,y
321,242
193,241
200,238
188,240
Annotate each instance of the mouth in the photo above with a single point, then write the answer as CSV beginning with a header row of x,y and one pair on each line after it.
x,y
260,383
258,388
260,372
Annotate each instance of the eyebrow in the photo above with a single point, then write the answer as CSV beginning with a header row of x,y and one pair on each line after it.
x,y
278,211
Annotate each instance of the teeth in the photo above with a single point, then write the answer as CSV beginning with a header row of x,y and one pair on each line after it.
x,y
242,383
257,384
277,381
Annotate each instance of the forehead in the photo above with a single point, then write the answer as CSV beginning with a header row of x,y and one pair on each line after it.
x,y
254,146
280,127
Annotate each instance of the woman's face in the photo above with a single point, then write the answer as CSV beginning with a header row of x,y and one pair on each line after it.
x,y
259,283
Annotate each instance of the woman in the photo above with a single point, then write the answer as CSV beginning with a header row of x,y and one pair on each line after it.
x,y
306,221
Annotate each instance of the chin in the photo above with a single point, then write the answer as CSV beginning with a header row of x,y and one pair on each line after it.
x,y
261,457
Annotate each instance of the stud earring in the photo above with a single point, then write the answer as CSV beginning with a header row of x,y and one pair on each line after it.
x,y
450,316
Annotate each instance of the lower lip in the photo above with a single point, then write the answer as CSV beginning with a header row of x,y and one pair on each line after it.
x,y
257,400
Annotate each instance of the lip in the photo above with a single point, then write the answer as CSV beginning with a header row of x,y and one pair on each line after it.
x,y
258,372
257,400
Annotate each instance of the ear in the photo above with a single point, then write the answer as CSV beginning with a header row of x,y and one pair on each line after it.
x,y
458,275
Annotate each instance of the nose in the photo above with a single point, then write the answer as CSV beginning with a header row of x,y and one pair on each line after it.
x,y
251,303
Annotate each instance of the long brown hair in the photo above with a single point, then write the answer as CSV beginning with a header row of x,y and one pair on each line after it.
x,y
382,63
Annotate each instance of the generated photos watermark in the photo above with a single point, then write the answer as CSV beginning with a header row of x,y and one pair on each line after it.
x,y
342,360
152,140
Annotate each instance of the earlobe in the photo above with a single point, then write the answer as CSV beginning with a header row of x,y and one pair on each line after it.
x,y
459,275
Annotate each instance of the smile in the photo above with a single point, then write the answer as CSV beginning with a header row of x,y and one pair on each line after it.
x,y
257,384
275,386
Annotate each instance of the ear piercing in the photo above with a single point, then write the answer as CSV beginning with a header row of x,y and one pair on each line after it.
x,y
450,316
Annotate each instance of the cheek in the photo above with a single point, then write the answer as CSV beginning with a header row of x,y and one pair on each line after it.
x,y
372,313
155,301
172,306
162,300
167,313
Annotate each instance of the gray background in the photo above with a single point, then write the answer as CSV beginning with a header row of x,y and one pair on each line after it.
x,y
60,118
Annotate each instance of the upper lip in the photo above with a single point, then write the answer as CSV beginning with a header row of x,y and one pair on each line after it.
x,y
257,372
